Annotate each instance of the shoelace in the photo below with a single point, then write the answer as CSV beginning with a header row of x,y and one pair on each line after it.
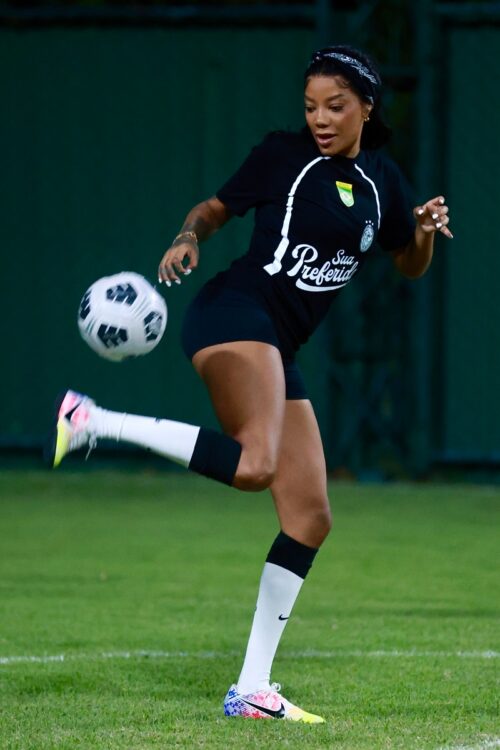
x,y
269,700
92,445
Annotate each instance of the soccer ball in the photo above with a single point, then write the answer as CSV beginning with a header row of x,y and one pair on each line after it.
x,y
122,316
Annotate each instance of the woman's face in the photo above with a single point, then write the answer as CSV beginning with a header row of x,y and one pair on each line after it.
x,y
335,115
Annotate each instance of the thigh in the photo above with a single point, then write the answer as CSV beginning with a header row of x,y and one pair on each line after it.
x,y
300,486
246,384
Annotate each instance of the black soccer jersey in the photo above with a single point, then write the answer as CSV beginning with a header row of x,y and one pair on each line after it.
x,y
316,219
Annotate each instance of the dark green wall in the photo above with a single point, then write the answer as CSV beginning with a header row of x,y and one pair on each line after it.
x,y
470,289
109,137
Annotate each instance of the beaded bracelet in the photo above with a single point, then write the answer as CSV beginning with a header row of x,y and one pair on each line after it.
x,y
191,235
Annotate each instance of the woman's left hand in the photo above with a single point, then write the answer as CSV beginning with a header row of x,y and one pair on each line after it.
x,y
433,216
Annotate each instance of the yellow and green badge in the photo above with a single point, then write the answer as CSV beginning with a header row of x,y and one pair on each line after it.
x,y
345,192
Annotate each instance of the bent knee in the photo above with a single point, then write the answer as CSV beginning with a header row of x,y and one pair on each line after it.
x,y
254,473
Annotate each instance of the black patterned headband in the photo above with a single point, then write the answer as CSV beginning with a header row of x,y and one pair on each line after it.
x,y
367,81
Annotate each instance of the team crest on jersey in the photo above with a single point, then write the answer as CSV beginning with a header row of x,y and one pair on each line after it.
x,y
367,237
345,192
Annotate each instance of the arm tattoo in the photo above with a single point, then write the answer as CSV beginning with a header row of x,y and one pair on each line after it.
x,y
203,220
199,225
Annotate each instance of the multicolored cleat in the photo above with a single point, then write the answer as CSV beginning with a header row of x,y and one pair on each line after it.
x,y
72,428
266,704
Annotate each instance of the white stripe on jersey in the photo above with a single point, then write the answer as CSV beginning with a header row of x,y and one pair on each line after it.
x,y
374,190
275,266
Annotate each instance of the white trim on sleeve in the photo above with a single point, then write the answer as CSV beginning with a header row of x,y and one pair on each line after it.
x,y
280,251
374,190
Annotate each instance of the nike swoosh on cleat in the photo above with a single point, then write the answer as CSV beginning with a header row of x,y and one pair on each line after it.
x,y
281,617
279,714
70,413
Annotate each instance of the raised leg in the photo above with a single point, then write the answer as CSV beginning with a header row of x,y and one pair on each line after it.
x,y
246,384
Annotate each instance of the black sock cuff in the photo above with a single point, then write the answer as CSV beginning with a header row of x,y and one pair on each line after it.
x,y
292,555
215,455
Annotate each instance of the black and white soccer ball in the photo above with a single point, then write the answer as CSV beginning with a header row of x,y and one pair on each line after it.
x,y
122,316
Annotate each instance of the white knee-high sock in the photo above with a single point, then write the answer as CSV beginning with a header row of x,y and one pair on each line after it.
x,y
202,450
174,440
278,591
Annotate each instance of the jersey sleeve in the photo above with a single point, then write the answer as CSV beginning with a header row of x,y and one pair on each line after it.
x,y
249,185
397,224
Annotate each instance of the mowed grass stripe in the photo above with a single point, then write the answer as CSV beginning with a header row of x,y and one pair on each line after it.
x,y
145,654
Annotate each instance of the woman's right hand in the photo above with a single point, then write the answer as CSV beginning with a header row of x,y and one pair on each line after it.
x,y
207,217
174,260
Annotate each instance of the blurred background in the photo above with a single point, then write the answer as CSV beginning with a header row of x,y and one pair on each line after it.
x,y
117,117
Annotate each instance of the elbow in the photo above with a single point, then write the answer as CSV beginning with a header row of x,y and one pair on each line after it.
x,y
219,213
408,266
413,273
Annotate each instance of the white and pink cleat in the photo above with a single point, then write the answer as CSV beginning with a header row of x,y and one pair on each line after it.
x,y
73,427
266,704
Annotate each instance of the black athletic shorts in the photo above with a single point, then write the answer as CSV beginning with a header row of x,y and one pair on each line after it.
x,y
218,315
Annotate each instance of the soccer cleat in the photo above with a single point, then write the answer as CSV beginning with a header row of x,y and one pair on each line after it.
x,y
72,428
266,704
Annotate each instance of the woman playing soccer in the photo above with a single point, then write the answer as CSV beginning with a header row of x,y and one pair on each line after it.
x,y
322,197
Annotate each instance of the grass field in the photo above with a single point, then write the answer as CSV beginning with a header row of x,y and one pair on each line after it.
x,y
127,600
